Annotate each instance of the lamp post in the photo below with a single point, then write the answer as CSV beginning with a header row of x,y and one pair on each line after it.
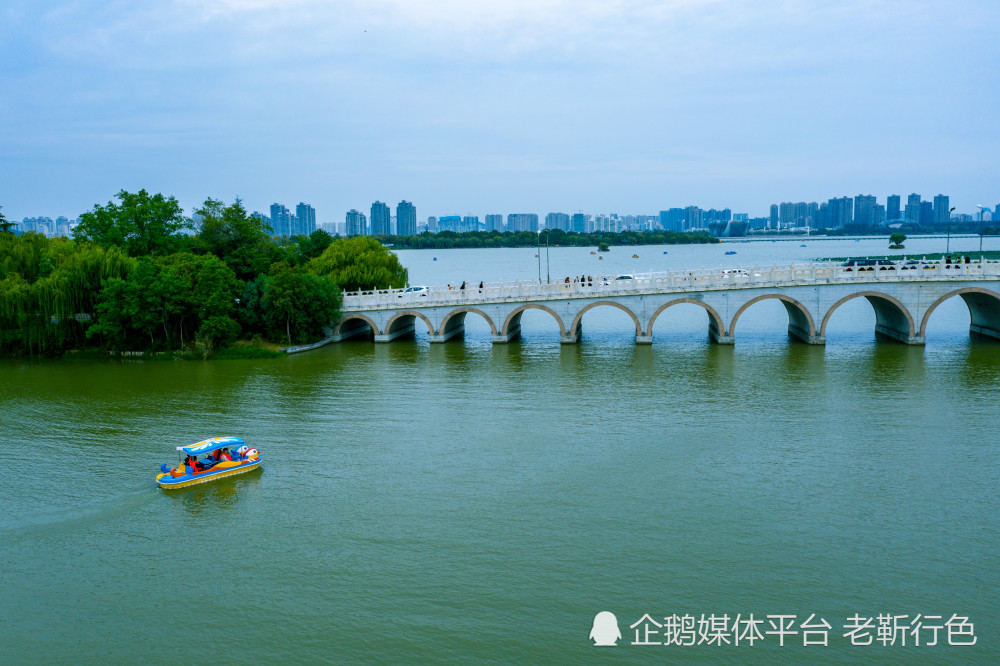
x,y
980,207
947,245
548,266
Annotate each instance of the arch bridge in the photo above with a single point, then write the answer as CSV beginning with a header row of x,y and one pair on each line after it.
x,y
903,296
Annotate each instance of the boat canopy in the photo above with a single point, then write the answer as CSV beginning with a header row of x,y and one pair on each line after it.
x,y
210,445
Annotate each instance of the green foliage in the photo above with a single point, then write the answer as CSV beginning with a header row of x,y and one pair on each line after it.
x,y
141,224
314,244
602,247
170,300
48,289
298,304
240,240
360,263
5,226
896,239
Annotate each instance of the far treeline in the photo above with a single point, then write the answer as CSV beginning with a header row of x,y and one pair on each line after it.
x,y
139,276
479,239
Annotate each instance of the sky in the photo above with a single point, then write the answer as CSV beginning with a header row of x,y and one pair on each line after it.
x,y
497,106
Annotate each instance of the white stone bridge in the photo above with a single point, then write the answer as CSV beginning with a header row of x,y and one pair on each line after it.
x,y
903,297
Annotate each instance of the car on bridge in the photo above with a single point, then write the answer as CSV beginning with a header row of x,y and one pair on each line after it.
x,y
416,290
869,264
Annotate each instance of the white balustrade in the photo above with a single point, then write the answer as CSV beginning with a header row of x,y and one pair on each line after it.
x,y
670,281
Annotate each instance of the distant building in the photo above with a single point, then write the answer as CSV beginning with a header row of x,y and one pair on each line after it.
x,y
912,211
557,221
579,222
892,210
775,216
380,222
406,219
305,219
494,222
941,210
356,224
864,212
281,220
522,222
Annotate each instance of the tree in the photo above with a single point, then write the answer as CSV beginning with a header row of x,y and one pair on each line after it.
x,y
242,241
602,247
896,239
5,226
360,263
314,244
141,224
298,304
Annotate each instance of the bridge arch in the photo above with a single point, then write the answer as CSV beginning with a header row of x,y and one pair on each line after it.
x,y
984,310
462,312
713,316
513,321
800,320
892,318
354,316
406,318
579,315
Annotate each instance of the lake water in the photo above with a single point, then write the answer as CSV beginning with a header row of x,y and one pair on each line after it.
x,y
466,503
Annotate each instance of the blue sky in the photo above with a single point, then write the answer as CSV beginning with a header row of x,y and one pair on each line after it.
x,y
468,106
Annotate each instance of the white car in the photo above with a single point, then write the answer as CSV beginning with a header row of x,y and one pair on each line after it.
x,y
416,290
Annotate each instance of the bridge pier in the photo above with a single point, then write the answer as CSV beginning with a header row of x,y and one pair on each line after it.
x,y
799,333
351,328
898,336
401,330
512,334
719,338
570,338
456,326
644,339
984,331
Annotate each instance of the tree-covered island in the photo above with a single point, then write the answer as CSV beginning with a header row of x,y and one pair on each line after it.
x,y
139,276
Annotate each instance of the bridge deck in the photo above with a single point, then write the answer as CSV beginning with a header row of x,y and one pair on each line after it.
x,y
700,280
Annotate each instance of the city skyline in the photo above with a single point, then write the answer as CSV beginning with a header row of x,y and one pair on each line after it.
x,y
494,103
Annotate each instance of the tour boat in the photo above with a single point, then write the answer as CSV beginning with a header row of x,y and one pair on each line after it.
x,y
730,251
235,457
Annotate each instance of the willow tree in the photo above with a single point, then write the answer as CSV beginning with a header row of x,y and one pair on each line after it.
x,y
49,288
360,262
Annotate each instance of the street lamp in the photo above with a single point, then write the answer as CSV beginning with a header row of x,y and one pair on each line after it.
x,y
548,269
947,245
980,207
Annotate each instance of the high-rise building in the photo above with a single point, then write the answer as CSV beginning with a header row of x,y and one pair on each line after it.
x,y
356,223
693,218
840,211
380,223
941,211
494,222
557,221
268,227
864,212
306,222
775,216
892,208
522,222
912,211
406,219
926,213
281,220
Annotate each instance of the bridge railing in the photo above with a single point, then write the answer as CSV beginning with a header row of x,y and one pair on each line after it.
x,y
669,281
